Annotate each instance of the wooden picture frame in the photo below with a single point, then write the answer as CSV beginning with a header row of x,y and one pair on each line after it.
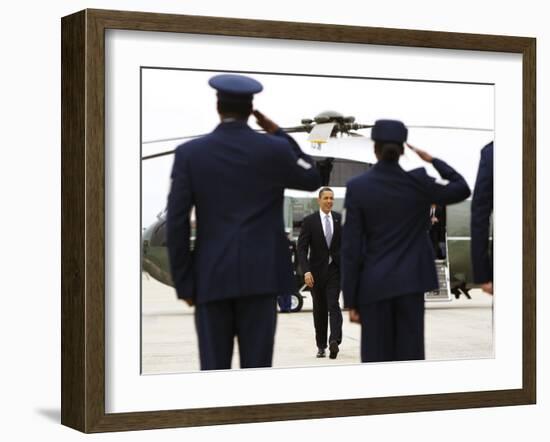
x,y
83,220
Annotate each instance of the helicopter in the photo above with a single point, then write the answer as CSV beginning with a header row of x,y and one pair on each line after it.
x,y
341,151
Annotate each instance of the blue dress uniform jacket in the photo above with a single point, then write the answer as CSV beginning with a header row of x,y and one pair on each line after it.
x,y
386,250
235,179
481,209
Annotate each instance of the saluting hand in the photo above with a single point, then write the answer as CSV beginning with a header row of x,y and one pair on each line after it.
x,y
264,122
421,153
354,315
487,287
308,279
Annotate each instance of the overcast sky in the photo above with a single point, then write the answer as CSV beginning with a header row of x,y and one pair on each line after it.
x,y
180,103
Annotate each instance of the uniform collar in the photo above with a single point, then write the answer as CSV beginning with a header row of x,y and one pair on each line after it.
x,y
383,164
232,123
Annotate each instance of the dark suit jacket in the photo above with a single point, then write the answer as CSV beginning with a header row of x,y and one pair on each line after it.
x,y
437,230
235,178
312,240
386,250
481,209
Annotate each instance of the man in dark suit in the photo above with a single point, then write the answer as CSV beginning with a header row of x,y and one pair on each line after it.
x,y
235,178
481,210
387,256
320,236
285,301
437,230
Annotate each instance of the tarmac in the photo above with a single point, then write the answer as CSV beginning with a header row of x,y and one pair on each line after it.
x,y
456,329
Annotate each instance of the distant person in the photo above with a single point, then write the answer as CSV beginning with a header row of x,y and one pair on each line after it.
x,y
437,230
481,210
387,257
285,301
235,178
319,257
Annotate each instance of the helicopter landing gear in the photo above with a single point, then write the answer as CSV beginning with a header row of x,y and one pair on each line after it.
x,y
292,305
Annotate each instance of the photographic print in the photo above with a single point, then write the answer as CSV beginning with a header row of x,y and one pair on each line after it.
x,y
451,120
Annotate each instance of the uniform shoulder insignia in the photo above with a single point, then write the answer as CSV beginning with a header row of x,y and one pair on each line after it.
x,y
303,164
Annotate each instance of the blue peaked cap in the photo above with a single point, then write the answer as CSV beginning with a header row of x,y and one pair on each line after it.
x,y
235,87
389,130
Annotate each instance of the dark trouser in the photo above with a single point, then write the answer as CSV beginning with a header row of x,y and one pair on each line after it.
x,y
325,294
393,329
251,318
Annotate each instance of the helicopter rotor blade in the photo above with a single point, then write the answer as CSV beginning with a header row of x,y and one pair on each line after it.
x,y
169,152
286,129
308,128
296,129
481,129
156,155
356,126
163,140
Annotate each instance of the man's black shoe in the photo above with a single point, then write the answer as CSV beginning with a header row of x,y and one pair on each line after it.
x,y
321,353
333,347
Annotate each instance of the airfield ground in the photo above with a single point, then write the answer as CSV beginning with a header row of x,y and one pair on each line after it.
x,y
456,329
